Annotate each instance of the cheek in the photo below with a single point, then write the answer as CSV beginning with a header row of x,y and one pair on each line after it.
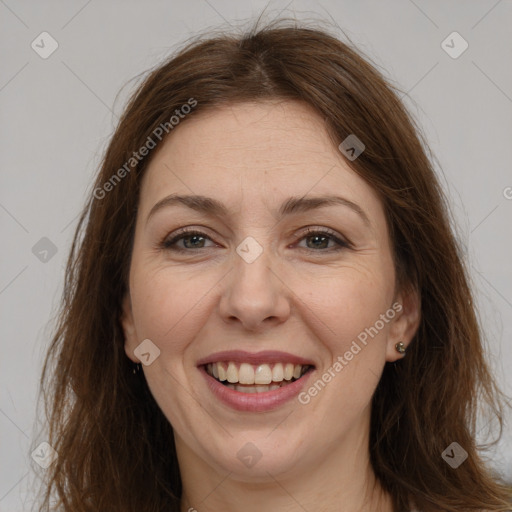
x,y
349,310
167,310
166,306
346,302
350,305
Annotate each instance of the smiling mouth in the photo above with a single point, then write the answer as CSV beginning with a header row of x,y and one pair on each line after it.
x,y
249,378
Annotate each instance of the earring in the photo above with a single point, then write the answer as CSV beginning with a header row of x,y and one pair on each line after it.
x,y
400,348
136,368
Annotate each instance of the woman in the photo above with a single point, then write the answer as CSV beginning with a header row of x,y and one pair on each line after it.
x,y
265,306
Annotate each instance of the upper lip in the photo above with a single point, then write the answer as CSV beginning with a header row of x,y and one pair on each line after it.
x,y
265,356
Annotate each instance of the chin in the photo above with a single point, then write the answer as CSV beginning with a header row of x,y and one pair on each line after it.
x,y
258,457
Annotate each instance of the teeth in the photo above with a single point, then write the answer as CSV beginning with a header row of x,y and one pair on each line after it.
x,y
261,376
246,374
288,371
232,373
278,373
221,371
255,389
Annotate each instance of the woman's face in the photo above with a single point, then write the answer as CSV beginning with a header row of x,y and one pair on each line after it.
x,y
259,297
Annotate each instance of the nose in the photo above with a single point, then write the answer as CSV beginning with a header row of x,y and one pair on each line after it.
x,y
255,295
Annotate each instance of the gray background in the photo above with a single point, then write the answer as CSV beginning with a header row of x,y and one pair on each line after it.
x,y
58,113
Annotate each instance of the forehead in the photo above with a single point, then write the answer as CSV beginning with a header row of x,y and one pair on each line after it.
x,y
238,152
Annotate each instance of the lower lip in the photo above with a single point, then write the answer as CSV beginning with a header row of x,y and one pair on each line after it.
x,y
255,402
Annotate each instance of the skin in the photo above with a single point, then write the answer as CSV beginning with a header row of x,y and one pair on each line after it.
x,y
295,297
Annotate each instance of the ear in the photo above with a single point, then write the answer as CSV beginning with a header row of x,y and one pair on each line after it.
x,y
130,335
404,325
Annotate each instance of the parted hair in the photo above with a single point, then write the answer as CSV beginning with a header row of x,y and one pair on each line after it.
x,y
115,447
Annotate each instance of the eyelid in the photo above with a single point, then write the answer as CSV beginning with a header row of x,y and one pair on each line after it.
x,y
181,233
342,242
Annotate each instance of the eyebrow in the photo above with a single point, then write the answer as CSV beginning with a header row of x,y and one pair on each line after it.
x,y
292,205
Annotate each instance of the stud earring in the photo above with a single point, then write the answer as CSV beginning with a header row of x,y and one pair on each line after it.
x,y
400,348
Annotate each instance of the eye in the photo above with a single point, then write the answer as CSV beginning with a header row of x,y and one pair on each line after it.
x,y
192,239
320,239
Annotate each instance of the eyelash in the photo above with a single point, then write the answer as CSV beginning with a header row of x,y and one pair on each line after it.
x,y
170,244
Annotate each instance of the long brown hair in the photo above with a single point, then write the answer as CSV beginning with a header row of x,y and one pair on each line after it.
x,y
115,446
